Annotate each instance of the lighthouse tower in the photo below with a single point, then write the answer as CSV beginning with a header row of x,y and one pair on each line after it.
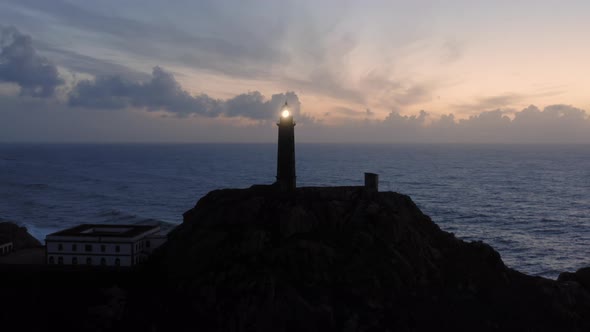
x,y
286,150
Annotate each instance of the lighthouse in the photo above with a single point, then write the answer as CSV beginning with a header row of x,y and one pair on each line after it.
x,y
286,150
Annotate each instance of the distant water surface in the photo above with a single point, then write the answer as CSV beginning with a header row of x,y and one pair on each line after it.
x,y
530,203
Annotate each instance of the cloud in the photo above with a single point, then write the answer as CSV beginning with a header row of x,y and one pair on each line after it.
x,y
414,94
28,119
20,64
555,124
452,50
230,50
122,88
487,118
163,93
399,92
551,115
48,120
347,112
490,102
80,63
315,49
397,120
326,82
254,106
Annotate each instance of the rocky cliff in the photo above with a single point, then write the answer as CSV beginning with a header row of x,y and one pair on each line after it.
x,y
19,236
338,259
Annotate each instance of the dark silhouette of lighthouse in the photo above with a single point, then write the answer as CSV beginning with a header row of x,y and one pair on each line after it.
x,y
286,150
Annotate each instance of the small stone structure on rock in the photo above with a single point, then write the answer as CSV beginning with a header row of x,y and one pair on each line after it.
x,y
372,181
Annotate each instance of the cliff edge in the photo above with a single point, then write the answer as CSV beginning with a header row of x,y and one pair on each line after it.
x,y
339,259
19,236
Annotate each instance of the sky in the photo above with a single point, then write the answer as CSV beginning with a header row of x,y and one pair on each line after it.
x,y
351,71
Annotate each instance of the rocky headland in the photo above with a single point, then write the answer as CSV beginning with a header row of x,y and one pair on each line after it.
x,y
312,259
342,259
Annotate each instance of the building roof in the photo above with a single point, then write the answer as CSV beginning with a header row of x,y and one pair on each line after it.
x,y
94,230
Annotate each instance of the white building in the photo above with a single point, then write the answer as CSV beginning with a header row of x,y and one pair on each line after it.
x,y
6,248
106,245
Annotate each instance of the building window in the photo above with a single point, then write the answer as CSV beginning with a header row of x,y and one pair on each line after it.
x,y
60,247
74,260
60,260
103,261
117,248
88,247
51,260
117,262
103,248
74,247
89,261
147,243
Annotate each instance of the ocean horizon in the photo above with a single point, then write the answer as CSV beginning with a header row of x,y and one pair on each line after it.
x,y
528,201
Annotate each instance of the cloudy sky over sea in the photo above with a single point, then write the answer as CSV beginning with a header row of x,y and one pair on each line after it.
x,y
352,71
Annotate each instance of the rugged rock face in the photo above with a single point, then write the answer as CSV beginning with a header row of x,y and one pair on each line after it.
x,y
338,259
21,239
582,277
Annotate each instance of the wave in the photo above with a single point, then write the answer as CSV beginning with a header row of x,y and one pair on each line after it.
x,y
110,213
36,185
165,226
6,220
26,185
118,216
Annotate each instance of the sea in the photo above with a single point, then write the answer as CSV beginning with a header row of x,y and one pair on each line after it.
x,y
530,202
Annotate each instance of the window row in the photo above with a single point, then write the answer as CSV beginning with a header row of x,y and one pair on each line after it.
x,y
89,261
5,250
88,247
142,244
139,259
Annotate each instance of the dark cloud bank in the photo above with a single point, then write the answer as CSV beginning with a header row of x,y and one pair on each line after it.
x,y
20,64
553,124
37,77
163,93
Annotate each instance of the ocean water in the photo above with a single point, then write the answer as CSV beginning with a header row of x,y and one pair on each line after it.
x,y
531,203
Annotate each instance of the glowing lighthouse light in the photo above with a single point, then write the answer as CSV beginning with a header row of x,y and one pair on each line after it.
x,y
285,113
